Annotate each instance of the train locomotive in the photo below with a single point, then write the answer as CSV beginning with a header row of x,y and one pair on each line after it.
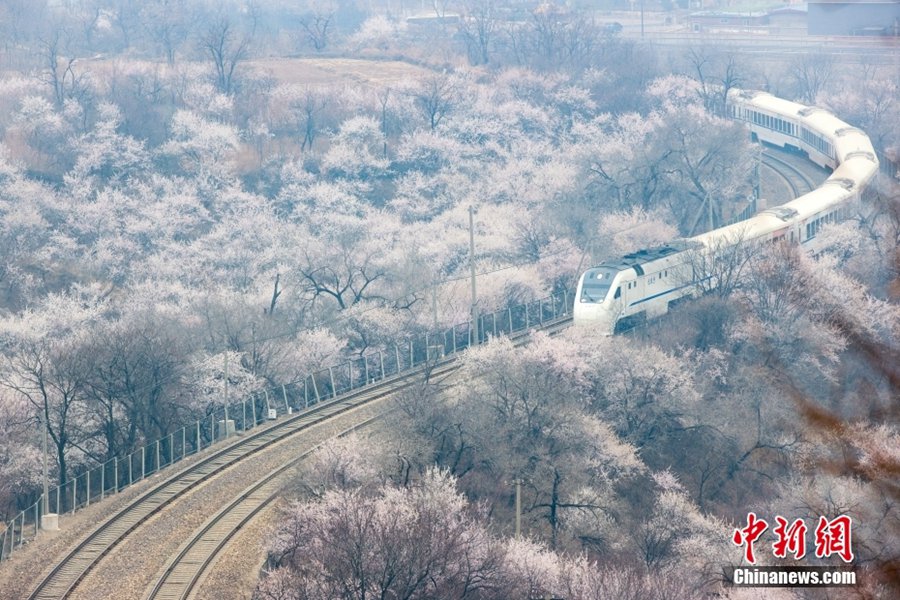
x,y
617,293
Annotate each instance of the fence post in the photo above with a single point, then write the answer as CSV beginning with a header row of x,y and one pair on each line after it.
x,y
130,460
37,516
171,448
212,428
197,451
116,473
397,351
541,311
284,395
22,530
350,371
453,334
315,388
366,369
253,408
331,377
143,462
509,312
566,302
244,413
74,494
183,441
381,358
157,456
494,322
58,511
103,481
87,501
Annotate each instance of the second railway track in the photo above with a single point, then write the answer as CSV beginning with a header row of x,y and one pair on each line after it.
x,y
795,179
66,576
183,572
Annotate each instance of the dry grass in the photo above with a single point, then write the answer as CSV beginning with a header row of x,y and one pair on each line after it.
x,y
304,71
329,71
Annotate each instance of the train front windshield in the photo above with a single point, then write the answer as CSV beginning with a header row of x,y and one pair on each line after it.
x,y
596,284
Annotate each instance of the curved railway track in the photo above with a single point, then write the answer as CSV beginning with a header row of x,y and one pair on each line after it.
x,y
201,549
795,179
66,575
182,573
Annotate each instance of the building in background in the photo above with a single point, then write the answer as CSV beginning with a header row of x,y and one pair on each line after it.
x,y
789,20
854,17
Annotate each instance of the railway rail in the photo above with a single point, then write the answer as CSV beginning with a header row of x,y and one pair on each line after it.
x,y
794,178
184,571
66,575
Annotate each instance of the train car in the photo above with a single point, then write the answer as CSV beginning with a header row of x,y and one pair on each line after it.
x,y
618,293
788,124
638,285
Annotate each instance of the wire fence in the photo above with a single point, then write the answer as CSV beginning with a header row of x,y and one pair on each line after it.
x,y
119,473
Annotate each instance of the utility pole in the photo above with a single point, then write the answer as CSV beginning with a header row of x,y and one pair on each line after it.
x,y
49,522
518,483
472,270
642,19
45,508
226,393
434,291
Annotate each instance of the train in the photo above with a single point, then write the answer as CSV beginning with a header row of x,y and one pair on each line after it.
x,y
619,293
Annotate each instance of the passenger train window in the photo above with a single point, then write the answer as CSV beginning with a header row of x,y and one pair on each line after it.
x,y
618,292
596,284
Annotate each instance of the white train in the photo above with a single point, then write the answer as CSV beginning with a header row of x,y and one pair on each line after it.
x,y
646,283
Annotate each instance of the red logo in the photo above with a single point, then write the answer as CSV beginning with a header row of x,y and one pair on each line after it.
x,y
791,538
749,534
832,537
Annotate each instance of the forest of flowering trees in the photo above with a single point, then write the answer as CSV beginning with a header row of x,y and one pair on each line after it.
x,y
171,203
